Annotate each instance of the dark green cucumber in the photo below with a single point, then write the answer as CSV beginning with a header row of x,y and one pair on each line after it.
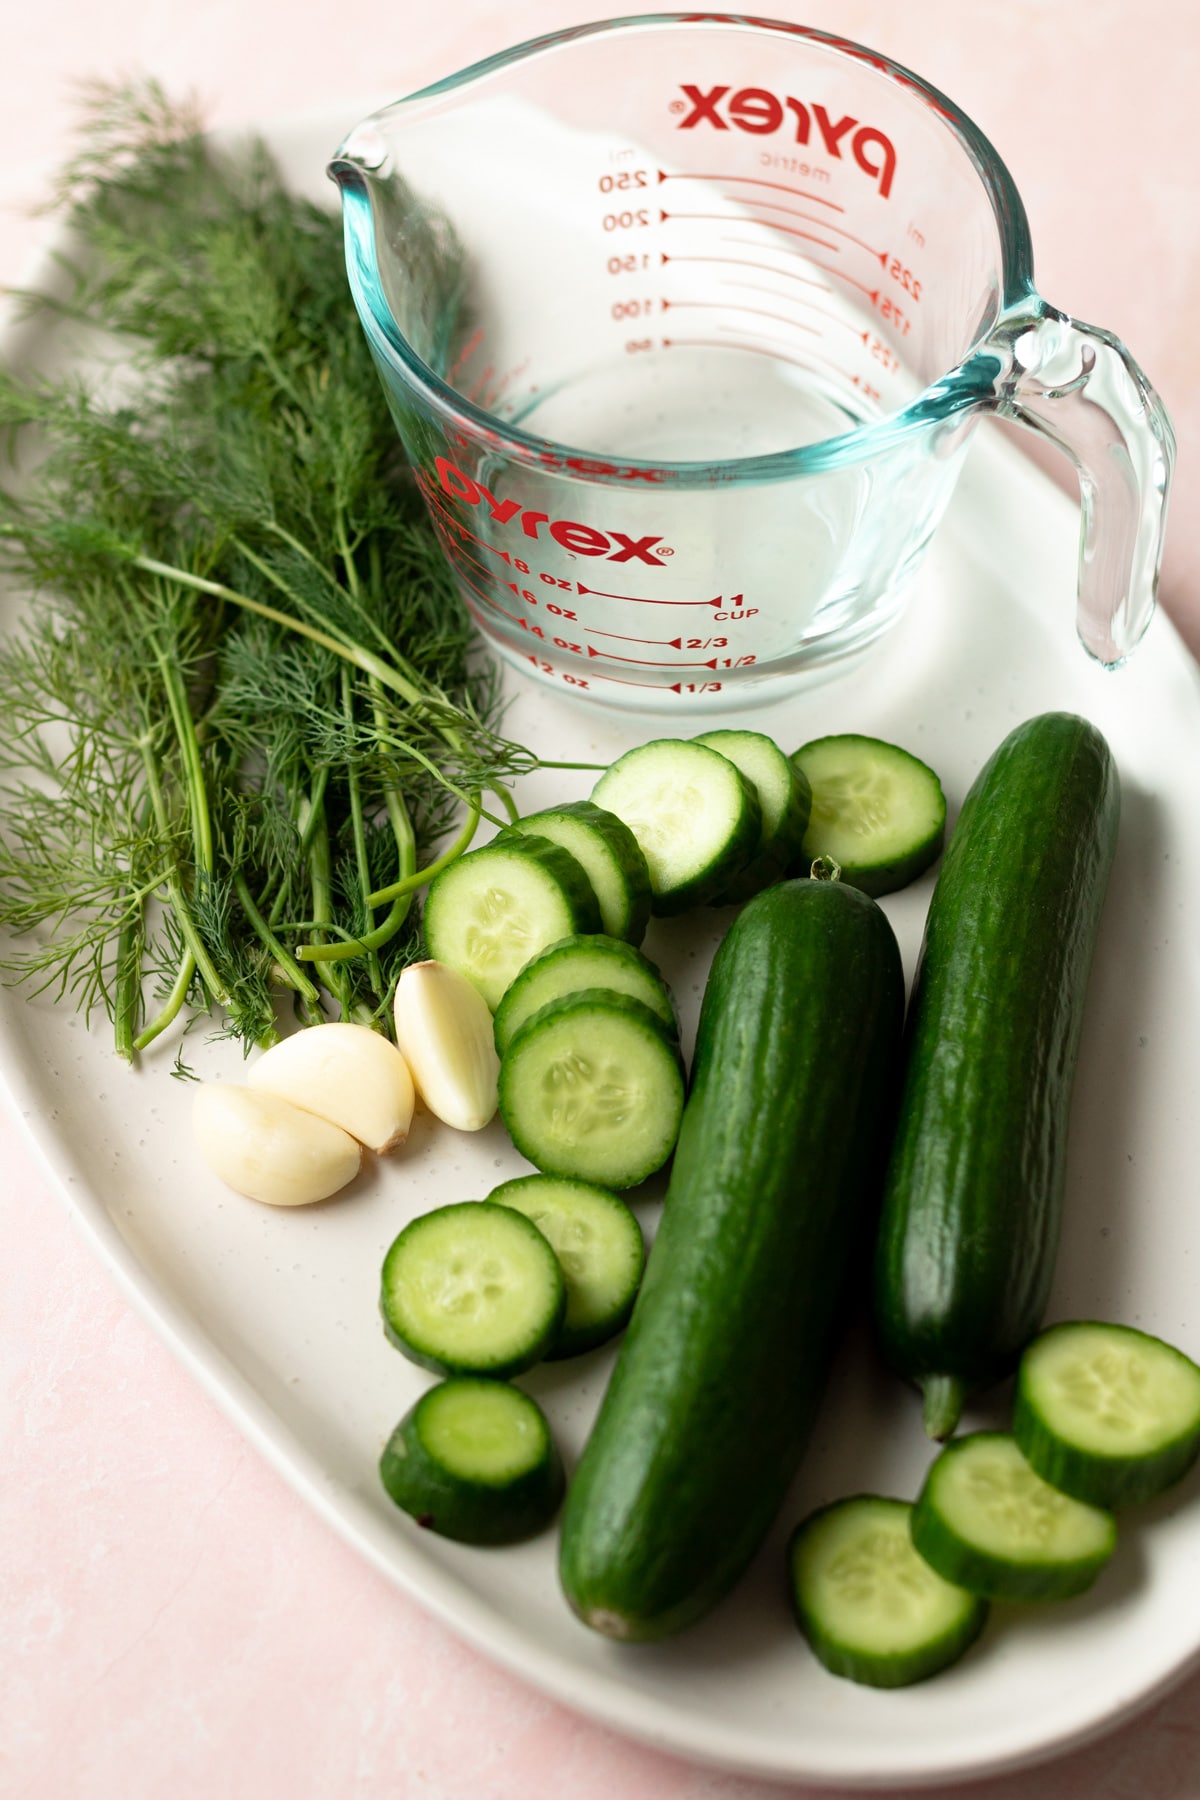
x,y
1108,1414
985,1520
474,1460
973,1199
869,1604
724,1359
609,855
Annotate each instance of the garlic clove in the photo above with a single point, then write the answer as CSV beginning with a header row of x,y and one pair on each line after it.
x,y
444,1030
269,1150
347,1074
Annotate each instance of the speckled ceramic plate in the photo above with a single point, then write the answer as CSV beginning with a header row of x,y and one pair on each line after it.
x,y
276,1314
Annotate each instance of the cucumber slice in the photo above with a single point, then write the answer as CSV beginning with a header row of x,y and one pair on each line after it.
x,y
474,1460
872,1609
472,1289
785,800
598,1243
592,1086
985,1520
1108,1414
591,961
609,855
695,816
877,811
494,908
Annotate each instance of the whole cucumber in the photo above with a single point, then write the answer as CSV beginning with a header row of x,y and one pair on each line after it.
x,y
722,1366
973,1198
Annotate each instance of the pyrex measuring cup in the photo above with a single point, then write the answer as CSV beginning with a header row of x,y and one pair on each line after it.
x,y
685,322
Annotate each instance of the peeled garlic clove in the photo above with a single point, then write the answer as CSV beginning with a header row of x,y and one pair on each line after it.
x,y
269,1150
444,1030
347,1074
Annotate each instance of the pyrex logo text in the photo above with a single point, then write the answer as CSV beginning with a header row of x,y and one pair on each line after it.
x,y
760,112
583,540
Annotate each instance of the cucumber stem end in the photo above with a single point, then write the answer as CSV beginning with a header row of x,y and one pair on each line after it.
x,y
943,1397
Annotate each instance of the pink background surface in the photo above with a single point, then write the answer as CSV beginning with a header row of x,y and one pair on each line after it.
x,y
173,1618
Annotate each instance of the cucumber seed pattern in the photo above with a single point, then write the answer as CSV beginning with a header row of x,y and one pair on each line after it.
x,y
1017,1504
499,928
880,1571
1115,1389
463,1284
583,1096
663,818
857,801
570,1239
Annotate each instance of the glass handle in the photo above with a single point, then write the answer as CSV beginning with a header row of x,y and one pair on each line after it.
x,y
1078,386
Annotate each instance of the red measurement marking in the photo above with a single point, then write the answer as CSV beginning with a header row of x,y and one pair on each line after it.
x,y
820,312
437,506
741,262
651,663
786,250
777,187
767,224
744,344
871,293
645,600
479,593
776,206
454,548
667,643
759,312
658,687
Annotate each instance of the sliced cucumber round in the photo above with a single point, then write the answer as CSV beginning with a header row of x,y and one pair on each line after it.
x,y
589,961
870,1606
877,811
494,908
694,814
592,1086
609,855
1108,1414
784,799
475,1460
472,1289
985,1520
599,1245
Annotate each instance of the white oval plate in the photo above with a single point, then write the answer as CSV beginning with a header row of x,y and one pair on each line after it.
x,y
276,1314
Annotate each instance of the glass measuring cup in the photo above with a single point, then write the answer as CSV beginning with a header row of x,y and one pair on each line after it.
x,y
685,322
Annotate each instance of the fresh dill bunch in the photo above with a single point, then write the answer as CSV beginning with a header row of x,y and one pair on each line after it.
x,y
246,701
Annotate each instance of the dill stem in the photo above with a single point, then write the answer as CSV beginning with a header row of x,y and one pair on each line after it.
x,y
359,832
400,894
366,945
172,1004
189,749
350,591
175,894
410,883
289,968
321,876
353,653
128,997
306,825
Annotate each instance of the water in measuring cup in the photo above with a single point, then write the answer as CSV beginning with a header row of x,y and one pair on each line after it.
x,y
695,405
